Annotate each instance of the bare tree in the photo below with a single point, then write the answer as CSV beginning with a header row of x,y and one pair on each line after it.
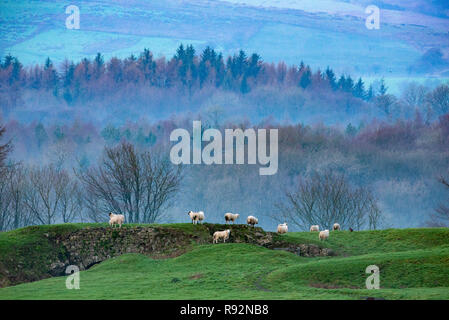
x,y
441,216
4,150
13,215
71,201
414,95
327,198
137,184
439,99
50,195
5,200
20,216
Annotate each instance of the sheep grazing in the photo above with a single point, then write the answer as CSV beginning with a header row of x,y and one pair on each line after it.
x,y
314,228
231,217
116,219
252,220
324,235
282,228
221,235
196,216
336,226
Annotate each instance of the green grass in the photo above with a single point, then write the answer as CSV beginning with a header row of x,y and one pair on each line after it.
x,y
381,241
414,264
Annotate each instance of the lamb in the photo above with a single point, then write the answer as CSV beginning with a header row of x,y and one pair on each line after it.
x,y
231,217
324,235
252,220
314,228
221,234
282,228
196,216
116,219
336,226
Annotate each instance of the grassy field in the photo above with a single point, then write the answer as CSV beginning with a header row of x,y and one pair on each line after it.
x,y
414,264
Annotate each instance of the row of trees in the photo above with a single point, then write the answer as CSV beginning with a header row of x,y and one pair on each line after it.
x,y
396,162
185,70
138,184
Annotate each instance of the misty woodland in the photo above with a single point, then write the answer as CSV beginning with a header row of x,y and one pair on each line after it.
x,y
83,139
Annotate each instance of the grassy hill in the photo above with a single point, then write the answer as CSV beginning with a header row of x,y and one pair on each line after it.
x,y
34,30
414,264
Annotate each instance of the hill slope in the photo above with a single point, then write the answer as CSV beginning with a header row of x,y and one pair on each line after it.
x,y
414,264
297,30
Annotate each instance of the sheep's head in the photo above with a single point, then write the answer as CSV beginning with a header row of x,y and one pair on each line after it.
x,y
188,213
110,213
236,215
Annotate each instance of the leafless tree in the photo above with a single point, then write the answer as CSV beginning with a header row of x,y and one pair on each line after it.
x,y
4,150
414,95
439,99
441,216
327,198
5,200
20,216
135,183
13,215
71,203
51,195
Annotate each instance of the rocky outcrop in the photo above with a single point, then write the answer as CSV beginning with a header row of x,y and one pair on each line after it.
x,y
87,246
307,250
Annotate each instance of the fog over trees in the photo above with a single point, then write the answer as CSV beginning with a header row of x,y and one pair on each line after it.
x,y
85,138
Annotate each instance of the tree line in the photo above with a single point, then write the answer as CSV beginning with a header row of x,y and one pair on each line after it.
x,y
197,76
186,70
386,167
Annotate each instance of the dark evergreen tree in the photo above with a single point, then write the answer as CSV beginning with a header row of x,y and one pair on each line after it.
x,y
306,78
330,77
359,89
383,88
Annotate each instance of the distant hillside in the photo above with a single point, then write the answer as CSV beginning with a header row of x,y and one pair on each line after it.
x,y
321,32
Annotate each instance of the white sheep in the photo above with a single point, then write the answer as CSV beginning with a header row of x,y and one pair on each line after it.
x,y
196,216
116,219
314,228
324,235
336,226
282,228
252,220
200,216
231,217
221,234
